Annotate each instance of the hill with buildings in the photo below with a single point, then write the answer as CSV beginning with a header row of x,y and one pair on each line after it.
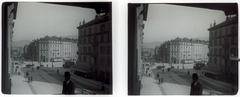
x,y
151,44
20,43
72,36
203,38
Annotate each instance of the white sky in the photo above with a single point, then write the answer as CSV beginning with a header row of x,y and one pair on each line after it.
x,y
36,20
166,22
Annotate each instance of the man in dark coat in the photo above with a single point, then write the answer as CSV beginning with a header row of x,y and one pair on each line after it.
x,y
196,87
68,85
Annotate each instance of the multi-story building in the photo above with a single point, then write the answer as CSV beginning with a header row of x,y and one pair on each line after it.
x,y
95,47
46,49
223,40
180,49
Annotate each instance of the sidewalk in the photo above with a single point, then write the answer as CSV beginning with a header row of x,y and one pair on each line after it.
x,y
20,85
150,86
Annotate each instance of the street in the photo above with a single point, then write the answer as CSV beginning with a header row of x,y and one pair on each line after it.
x,y
46,80
177,81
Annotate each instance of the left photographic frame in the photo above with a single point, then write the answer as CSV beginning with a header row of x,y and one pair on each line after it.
x,y
57,48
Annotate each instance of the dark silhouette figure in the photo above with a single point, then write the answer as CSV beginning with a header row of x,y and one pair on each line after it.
x,y
68,85
27,73
103,87
196,87
31,79
57,70
188,72
161,80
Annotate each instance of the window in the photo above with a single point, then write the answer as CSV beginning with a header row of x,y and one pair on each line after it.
x,y
102,49
84,49
216,42
102,27
85,32
233,29
226,31
215,61
84,59
89,39
84,40
102,38
232,40
220,41
89,49
96,29
220,33
90,31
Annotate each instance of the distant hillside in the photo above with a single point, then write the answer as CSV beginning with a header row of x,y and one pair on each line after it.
x,y
72,36
203,38
151,44
20,43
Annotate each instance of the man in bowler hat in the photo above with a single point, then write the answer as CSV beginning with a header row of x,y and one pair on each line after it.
x,y
68,85
196,87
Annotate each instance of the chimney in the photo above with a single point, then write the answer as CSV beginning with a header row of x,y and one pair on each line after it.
x,y
83,21
214,23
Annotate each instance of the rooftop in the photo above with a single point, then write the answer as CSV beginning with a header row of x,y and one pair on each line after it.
x,y
228,21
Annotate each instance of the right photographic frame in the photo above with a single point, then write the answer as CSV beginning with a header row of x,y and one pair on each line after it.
x,y
183,49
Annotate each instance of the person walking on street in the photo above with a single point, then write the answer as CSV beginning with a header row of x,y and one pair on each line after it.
x,y
68,85
149,73
196,87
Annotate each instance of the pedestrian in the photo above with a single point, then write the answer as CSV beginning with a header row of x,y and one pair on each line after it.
x,y
161,80
188,72
196,87
57,70
149,73
27,73
31,78
68,85
47,65
32,68
157,75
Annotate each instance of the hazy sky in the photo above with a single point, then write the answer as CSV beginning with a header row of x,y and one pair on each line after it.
x,y
36,20
166,22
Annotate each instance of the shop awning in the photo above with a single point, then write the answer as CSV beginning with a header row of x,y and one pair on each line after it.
x,y
82,68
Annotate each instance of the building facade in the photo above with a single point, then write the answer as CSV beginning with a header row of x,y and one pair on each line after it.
x,y
137,13
223,40
46,49
180,49
95,47
9,14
